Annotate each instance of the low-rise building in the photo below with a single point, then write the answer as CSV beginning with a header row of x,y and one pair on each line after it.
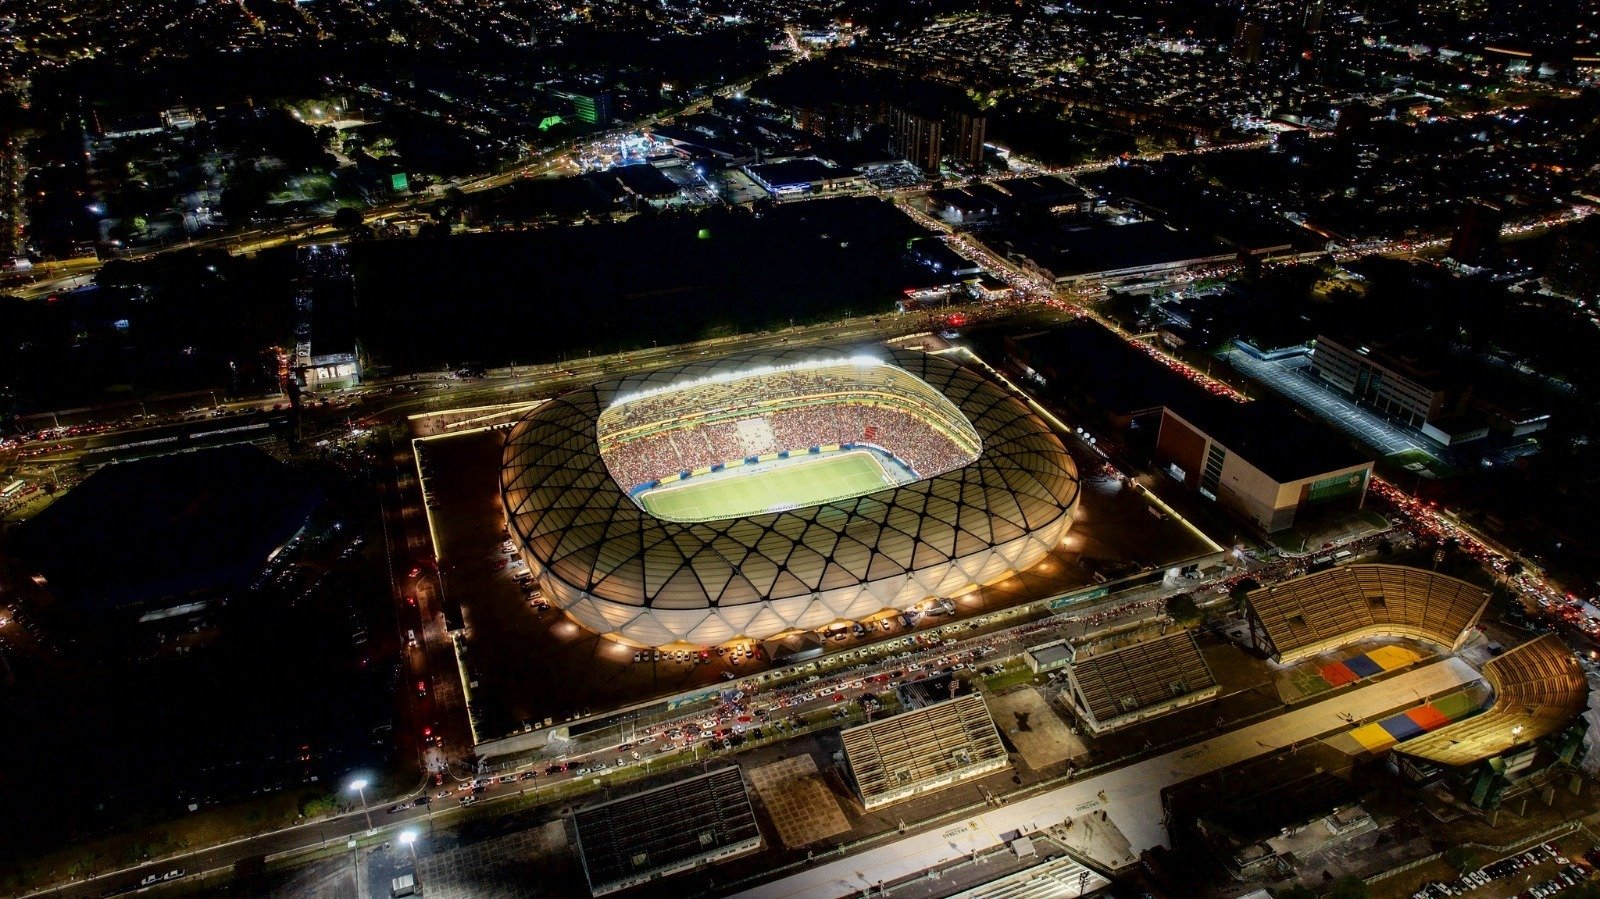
x,y
1048,656
795,177
1409,388
917,752
666,830
1261,460
1128,684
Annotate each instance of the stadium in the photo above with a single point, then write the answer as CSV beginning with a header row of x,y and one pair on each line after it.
x,y
776,492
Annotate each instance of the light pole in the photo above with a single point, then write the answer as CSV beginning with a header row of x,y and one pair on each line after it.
x,y
409,837
360,786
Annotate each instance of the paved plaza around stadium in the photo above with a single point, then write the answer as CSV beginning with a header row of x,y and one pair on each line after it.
x,y
782,485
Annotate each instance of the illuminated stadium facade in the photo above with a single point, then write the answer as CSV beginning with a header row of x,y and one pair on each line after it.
x,y
766,493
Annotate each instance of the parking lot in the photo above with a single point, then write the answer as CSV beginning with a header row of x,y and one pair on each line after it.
x,y
1538,872
1292,378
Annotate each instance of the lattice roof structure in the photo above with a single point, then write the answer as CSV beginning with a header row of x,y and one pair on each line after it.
x,y
1322,611
1539,688
926,749
1115,688
671,828
620,571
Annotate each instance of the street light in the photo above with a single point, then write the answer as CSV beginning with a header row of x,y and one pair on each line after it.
x,y
409,838
360,786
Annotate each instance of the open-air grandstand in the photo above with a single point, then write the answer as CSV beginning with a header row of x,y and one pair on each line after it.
x,y
930,748
1128,684
1318,612
1539,688
664,433
661,831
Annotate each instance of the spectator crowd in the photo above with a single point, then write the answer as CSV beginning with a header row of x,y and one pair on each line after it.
x,y
693,431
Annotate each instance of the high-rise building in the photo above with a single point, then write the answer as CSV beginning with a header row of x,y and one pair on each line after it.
x,y
591,109
917,138
1247,39
1575,264
1477,232
968,130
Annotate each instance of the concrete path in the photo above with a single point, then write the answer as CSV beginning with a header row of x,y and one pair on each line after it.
x,y
1131,796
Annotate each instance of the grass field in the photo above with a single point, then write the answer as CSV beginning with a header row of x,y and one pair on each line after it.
x,y
804,482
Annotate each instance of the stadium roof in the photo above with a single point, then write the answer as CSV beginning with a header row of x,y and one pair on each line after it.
x,y
666,829
203,520
1139,678
762,574
1311,614
1539,689
929,748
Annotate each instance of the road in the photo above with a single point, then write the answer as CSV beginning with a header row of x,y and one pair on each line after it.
x,y
1131,796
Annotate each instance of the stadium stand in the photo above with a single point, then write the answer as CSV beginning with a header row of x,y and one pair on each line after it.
x,y
1128,684
1318,612
666,830
928,749
1539,689
664,433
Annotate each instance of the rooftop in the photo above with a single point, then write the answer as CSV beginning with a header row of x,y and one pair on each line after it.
x,y
1271,437
1132,679
796,171
927,748
665,829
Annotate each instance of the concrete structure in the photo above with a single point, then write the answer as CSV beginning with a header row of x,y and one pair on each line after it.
x,y
1130,796
968,131
1539,689
1409,390
917,138
1299,618
924,750
1129,684
618,570
1262,461
1048,656
666,830
1057,878
807,176
1477,233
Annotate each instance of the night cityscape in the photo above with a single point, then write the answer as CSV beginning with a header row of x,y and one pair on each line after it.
x,y
920,449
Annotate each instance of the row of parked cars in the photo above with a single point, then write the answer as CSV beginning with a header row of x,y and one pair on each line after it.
x,y
1567,874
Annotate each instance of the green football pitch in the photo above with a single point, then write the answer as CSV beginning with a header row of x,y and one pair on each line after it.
x,y
737,492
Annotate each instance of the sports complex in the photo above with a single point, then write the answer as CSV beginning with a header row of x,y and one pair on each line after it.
x,y
766,493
